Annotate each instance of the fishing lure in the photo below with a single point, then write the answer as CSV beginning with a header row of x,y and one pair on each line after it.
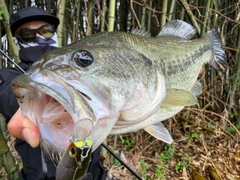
x,y
75,160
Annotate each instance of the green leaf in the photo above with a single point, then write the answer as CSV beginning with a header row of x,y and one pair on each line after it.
x,y
1,13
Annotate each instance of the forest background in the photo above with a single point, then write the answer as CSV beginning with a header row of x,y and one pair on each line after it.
x,y
206,136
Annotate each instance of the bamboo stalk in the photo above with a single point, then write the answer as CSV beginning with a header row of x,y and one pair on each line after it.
x,y
182,14
143,17
1,45
206,17
103,18
172,8
210,15
122,14
10,5
212,71
111,15
77,26
6,158
90,8
215,17
3,124
235,82
149,18
192,17
48,5
61,14
12,45
164,12
68,25
25,3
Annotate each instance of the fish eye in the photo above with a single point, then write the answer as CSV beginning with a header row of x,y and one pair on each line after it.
x,y
73,151
83,58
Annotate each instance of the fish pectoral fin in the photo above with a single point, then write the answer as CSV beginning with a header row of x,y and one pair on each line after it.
x,y
179,97
160,132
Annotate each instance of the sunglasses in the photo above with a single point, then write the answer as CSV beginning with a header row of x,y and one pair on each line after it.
x,y
26,34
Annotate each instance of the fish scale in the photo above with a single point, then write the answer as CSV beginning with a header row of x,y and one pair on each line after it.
x,y
176,54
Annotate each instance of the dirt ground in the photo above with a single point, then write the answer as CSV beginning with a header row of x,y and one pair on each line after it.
x,y
202,149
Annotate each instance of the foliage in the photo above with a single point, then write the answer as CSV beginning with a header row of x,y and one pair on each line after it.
x,y
163,159
128,143
232,129
114,160
144,170
192,135
1,14
183,161
167,154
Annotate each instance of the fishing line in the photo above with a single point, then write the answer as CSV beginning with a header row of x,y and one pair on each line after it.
x,y
123,163
12,61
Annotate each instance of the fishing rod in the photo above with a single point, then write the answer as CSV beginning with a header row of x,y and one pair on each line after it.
x,y
12,61
123,163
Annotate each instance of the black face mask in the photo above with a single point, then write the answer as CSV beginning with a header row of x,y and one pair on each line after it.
x,y
32,54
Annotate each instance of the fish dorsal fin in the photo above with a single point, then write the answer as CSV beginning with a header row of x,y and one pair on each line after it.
x,y
158,131
140,32
178,28
197,88
179,97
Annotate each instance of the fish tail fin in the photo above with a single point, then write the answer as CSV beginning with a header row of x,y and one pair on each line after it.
x,y
219,59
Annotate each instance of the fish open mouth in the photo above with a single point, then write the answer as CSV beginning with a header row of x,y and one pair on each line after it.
x,y
53,108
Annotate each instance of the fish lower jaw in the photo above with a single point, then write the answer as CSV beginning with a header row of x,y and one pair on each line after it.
x,y
59,123
55,123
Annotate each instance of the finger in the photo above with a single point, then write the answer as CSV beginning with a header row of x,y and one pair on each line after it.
x,y
23,128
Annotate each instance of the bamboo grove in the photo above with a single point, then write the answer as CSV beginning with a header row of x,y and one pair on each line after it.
x,y
82,18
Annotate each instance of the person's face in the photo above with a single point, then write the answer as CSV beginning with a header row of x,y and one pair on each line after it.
x,y
32,25
29,31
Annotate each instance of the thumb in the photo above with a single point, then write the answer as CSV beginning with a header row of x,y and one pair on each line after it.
x,y
23,128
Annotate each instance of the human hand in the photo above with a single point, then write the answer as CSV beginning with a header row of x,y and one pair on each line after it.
x,y
23,128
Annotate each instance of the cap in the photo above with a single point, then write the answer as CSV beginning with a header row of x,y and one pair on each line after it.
x,y
29,14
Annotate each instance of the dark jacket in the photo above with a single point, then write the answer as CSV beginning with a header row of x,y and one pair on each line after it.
x,y
35,165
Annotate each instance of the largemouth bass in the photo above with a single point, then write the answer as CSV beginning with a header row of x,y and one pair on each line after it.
x,y
123,82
